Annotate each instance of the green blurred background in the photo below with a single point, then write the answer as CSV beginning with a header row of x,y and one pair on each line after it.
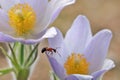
x,y
101,14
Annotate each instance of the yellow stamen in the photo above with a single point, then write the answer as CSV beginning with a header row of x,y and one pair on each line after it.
x,y
76,64
22,18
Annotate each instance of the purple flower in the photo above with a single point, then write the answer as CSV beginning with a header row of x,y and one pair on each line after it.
x,y
26,21
82,56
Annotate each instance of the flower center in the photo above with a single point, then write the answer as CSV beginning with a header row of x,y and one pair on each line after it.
x,y
76,64
22,18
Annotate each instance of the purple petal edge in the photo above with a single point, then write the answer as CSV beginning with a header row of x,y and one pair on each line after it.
x,y
108,65
79,77
57,68
7,38
58,10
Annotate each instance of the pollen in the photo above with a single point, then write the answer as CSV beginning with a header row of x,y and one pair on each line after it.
x,y
76,64
22,19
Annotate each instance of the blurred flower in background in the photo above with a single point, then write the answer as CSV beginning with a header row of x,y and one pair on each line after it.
x,y
27,20
82,55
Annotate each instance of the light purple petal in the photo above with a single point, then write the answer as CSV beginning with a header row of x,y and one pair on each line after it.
x,y
22,1
57,68
53,9
50,33
79,77
98,74
39,7
97,49
56,6
78,35
57,40
6,4
4,26
6,38
108,64
58,44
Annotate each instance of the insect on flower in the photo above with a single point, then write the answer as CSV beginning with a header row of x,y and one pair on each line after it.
x,y
50,50
83,55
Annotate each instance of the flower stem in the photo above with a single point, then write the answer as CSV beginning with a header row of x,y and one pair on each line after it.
x,y
53,76
23,74
31,54
13,54
22,54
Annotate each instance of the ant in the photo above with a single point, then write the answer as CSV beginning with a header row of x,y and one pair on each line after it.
x,y
49,49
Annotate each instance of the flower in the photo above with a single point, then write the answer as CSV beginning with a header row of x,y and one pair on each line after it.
x,y
26,21
82,56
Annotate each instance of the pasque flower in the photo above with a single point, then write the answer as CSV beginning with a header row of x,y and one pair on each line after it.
x,y
26,20
82,56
